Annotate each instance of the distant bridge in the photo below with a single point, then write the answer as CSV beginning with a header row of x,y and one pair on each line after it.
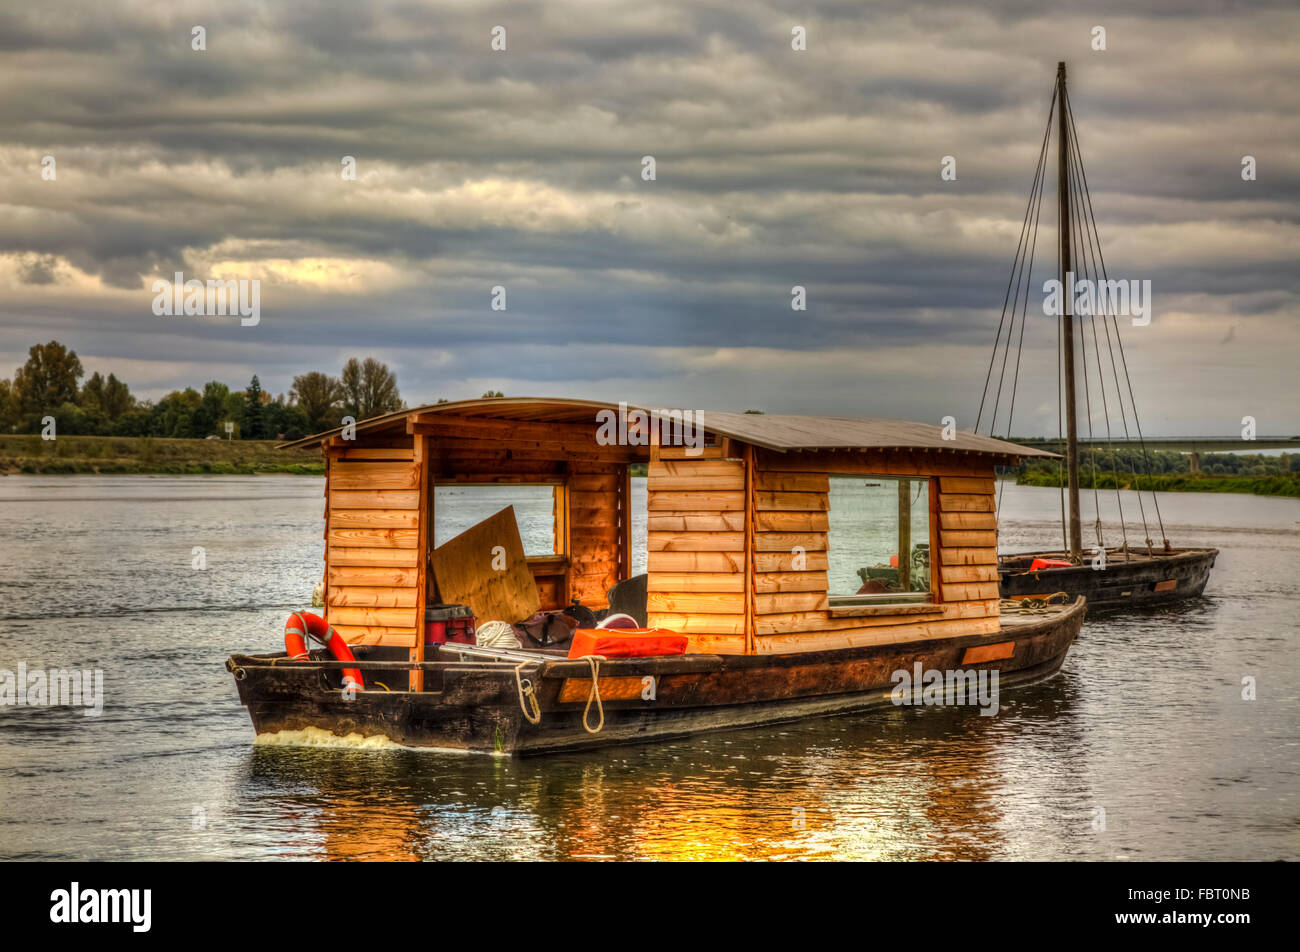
x,y
1194,445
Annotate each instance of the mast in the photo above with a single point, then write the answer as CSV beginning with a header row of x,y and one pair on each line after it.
x,y
1066,275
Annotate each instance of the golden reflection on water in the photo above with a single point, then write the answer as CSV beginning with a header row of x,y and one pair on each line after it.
x,y
886,785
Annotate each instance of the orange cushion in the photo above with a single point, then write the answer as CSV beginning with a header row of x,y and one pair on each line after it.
x,y
1037,564
626,642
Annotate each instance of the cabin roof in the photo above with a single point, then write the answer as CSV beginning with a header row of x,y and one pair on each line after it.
x,y
781,432
796,432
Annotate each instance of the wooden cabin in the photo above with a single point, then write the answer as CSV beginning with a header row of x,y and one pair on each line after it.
x,y
750,520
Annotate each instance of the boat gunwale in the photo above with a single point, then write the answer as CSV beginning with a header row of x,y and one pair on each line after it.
x,y
552,667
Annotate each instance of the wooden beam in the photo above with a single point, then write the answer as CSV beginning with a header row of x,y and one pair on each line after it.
x,y
751,508
425,490
441,424
625,535
549,448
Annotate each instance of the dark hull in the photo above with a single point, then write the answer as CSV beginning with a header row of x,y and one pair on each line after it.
x,y
476,706
1136,581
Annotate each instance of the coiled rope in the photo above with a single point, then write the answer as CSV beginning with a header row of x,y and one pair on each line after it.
x,y
1034,604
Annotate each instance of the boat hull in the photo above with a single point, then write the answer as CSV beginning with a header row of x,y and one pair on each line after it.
x,y
476,706
1140,581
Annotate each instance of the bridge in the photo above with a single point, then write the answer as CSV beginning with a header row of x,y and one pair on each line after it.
x,y
1193,445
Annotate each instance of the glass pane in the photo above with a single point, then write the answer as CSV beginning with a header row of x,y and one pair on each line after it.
x,y
457,508
879,537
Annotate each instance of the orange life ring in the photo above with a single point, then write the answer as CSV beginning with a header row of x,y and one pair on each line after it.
x,y
302,624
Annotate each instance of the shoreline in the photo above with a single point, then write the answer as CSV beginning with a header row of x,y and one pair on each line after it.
x,y
1281,486
31,455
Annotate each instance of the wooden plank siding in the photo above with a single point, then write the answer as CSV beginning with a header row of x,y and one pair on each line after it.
x,y
696,540
737,539
790,608
373,537
597,510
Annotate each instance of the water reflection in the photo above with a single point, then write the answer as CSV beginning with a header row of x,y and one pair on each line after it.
x,y
890,784
1146,719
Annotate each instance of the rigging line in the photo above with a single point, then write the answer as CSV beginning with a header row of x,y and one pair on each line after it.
x,y
1093,245
1137,421
1060,427
1086,249
1091,248
1017,270
1146,530
1087,394
1042,152
1024,311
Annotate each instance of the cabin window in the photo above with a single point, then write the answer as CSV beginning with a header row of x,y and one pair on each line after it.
x,y
878,540
460,506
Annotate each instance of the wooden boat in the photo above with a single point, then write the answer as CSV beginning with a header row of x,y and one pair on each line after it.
x,y
1130,579
754,532
1141,575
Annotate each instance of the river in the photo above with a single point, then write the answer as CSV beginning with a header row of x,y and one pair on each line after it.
x,y
1142,748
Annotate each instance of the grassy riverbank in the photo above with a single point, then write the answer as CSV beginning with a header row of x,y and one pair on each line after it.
x,y
1274,485
152,456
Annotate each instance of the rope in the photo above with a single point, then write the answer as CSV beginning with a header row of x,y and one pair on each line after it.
x,y
1087,391
1123,359
1024,312
1088,254
1090,275
1024,229
1034,604
527,695
1060,429
593,661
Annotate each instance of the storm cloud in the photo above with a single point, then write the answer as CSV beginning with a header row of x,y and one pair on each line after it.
x,y
774,168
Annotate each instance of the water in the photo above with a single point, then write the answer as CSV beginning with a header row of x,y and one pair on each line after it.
x,y
1145,721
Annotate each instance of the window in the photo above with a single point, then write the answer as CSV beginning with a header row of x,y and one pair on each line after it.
x,y
459,506
878,540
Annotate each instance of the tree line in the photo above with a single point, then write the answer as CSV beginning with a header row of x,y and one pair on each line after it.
x,y
50,384
1167,462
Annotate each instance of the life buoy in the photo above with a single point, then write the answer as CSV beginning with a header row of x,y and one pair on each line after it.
x,y
302,624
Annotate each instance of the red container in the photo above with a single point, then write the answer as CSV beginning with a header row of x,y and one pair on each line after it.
x,y
626,642
1037,564
444,623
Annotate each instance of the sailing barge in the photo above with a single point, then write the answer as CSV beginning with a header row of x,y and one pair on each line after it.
x,y
806,561
1125,576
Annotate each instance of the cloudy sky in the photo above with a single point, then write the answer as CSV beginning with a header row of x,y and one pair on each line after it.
x,y
775,168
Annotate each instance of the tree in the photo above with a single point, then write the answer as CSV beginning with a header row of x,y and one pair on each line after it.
x,y
177,415
492,394
117,398
253,425
369,389
109,398
9,415
212,411
319,396
92,392
48,379
286,421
